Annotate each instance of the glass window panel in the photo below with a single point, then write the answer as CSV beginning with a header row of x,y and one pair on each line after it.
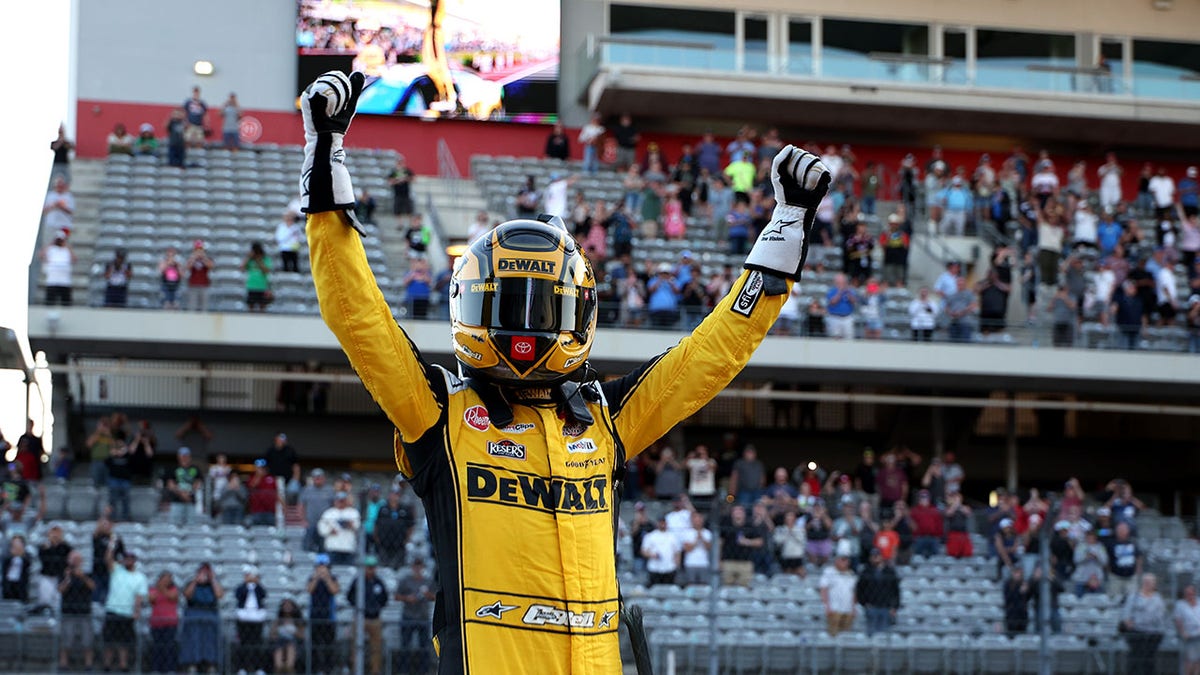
x,y
867,49
709,36
1166,69
1018,60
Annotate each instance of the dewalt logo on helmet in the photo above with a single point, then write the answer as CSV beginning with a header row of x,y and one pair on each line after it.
x,y
527,265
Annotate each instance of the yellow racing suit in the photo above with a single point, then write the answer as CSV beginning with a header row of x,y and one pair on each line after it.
x,y
521,517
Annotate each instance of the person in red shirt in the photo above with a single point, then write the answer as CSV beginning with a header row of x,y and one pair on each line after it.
x,y
929,526
887,540
264,494
198,265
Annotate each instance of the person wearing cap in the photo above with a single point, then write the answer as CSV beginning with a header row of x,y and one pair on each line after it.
x,y
315,498
662,552
339,526
837,585
251,600
57,262
181,485
894,242
146,144
199,266
375,594
372,503
878,589
1006,543
282,461
663,291
323,589
127,592
264,495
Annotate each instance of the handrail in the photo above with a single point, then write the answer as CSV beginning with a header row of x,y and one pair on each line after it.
x,y
1076,70
653,42
893,57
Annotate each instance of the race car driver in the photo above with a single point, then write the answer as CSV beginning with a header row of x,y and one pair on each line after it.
x,y
516,455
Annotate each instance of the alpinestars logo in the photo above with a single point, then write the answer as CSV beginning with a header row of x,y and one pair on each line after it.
x,y
495,610
506,449
476,417
751,291
545,615
774,231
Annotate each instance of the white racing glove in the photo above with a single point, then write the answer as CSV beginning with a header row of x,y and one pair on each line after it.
x,y
328,105
801,181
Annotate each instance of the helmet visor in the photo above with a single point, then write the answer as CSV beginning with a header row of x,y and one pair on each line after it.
x,y
525,304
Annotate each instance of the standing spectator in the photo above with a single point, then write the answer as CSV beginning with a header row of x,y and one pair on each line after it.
x,y
75,614
668,476
418,288
416,592
182,484
257,267
957,201
62,147
892,482
418,235
287,632
120,479
1144,622
219,472
120,141
1051,232
1016,603
1126,311
748,477
289,233
957,518
627,137
1166,292
127,591
557,145
375,596
232,502
895,242
878,589
58,209
479,227
837,586
840,303
15,570
818,530
339,526
401,178
1162,188
858,253
315,499
195,110
947,282
847,530
264,495
177,139
1063,311
102,539
200,639
393,527
1187,625
117,274
170,275
790,540
231,120
251,597
53,554
697,543
57,260
16,497
323,589
1110,181
662,552
741,544
1124,562
952,473
164,624
961,308
146,144
663,301
590,137
1189,192
702,476
199,265
923,312
1006,543
282,461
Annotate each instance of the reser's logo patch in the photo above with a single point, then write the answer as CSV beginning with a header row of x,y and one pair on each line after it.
x,y
581,446
751,291
545,615
506,449
525,265
476,417
569,496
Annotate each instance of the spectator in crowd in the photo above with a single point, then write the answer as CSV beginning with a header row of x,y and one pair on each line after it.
x,y
626,136
1127,313
170,275
837,585
923,312
1125,560
557,145
679,518
929,527
895,243
1056,589
418,288
233,500
953,474
181,485
76,635
790,540
393,527
120,141
1108,233
702,476
1193,322
957,517
859,248
1051,233
264,495
1110,181
287,633
1187,626
102,539
375,596
740,173
219,472
283,462
257,267
1143,623
58,209
289,234
841,300
747,477
164,624
741,542
418,235
53,554
895,537
177,139
892,482
1162,189
195,109
878,589
15,570
1166,290
251,615
231,121
947,282
663,302
1017,593
323,589
200,638
1189,192
62,147
117,274
146,144
961,307
662,552
957,201
696,543
400,178
590,137
818,530
1189,243
315,499
1006,543
339,526
847,531
16,497
57,261
479,227
416,592
127,592
1063,311
199,266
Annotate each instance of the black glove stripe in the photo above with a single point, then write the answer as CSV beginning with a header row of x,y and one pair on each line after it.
x,y
338,91
807,169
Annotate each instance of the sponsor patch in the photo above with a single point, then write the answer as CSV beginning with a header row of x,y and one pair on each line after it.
x,y
523,348
546,615
484,287
525,265
571,361
495,610
476,417
582,446
748,297
566,290
557,495
517,427
506,449
584,463
574,429
468,351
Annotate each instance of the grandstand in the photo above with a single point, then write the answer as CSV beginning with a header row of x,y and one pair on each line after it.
x,y
902,86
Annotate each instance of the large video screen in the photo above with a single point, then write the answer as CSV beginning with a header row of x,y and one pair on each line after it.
x,y
463,59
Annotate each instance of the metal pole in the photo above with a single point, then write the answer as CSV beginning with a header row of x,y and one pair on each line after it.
x,y
1010,463
360,595
1044,613
939,433
714,582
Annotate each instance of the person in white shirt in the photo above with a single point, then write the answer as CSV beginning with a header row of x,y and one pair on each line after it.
x,y
288,236
661,550
1162,188
57,259
554,198
1085,230
922,314
788,322
679,518
1168,294
1187,623
1110,181
589,138
702,474
339,526
791,539
478,227
837,586
697,545
59,207
947,282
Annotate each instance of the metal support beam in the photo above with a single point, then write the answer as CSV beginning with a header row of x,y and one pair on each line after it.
x,y
1010,447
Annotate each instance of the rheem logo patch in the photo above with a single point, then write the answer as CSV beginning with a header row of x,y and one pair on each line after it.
x,y
477,418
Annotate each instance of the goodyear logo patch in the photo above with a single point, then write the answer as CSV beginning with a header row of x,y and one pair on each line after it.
x,y
571,496
525,265
506,449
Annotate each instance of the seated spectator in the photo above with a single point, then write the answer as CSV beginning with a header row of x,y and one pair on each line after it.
x,y
164,624
957,517
200,639
923,313
146,144
790,540
837,585
840,303
878,589
75,614
287,633
120,141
